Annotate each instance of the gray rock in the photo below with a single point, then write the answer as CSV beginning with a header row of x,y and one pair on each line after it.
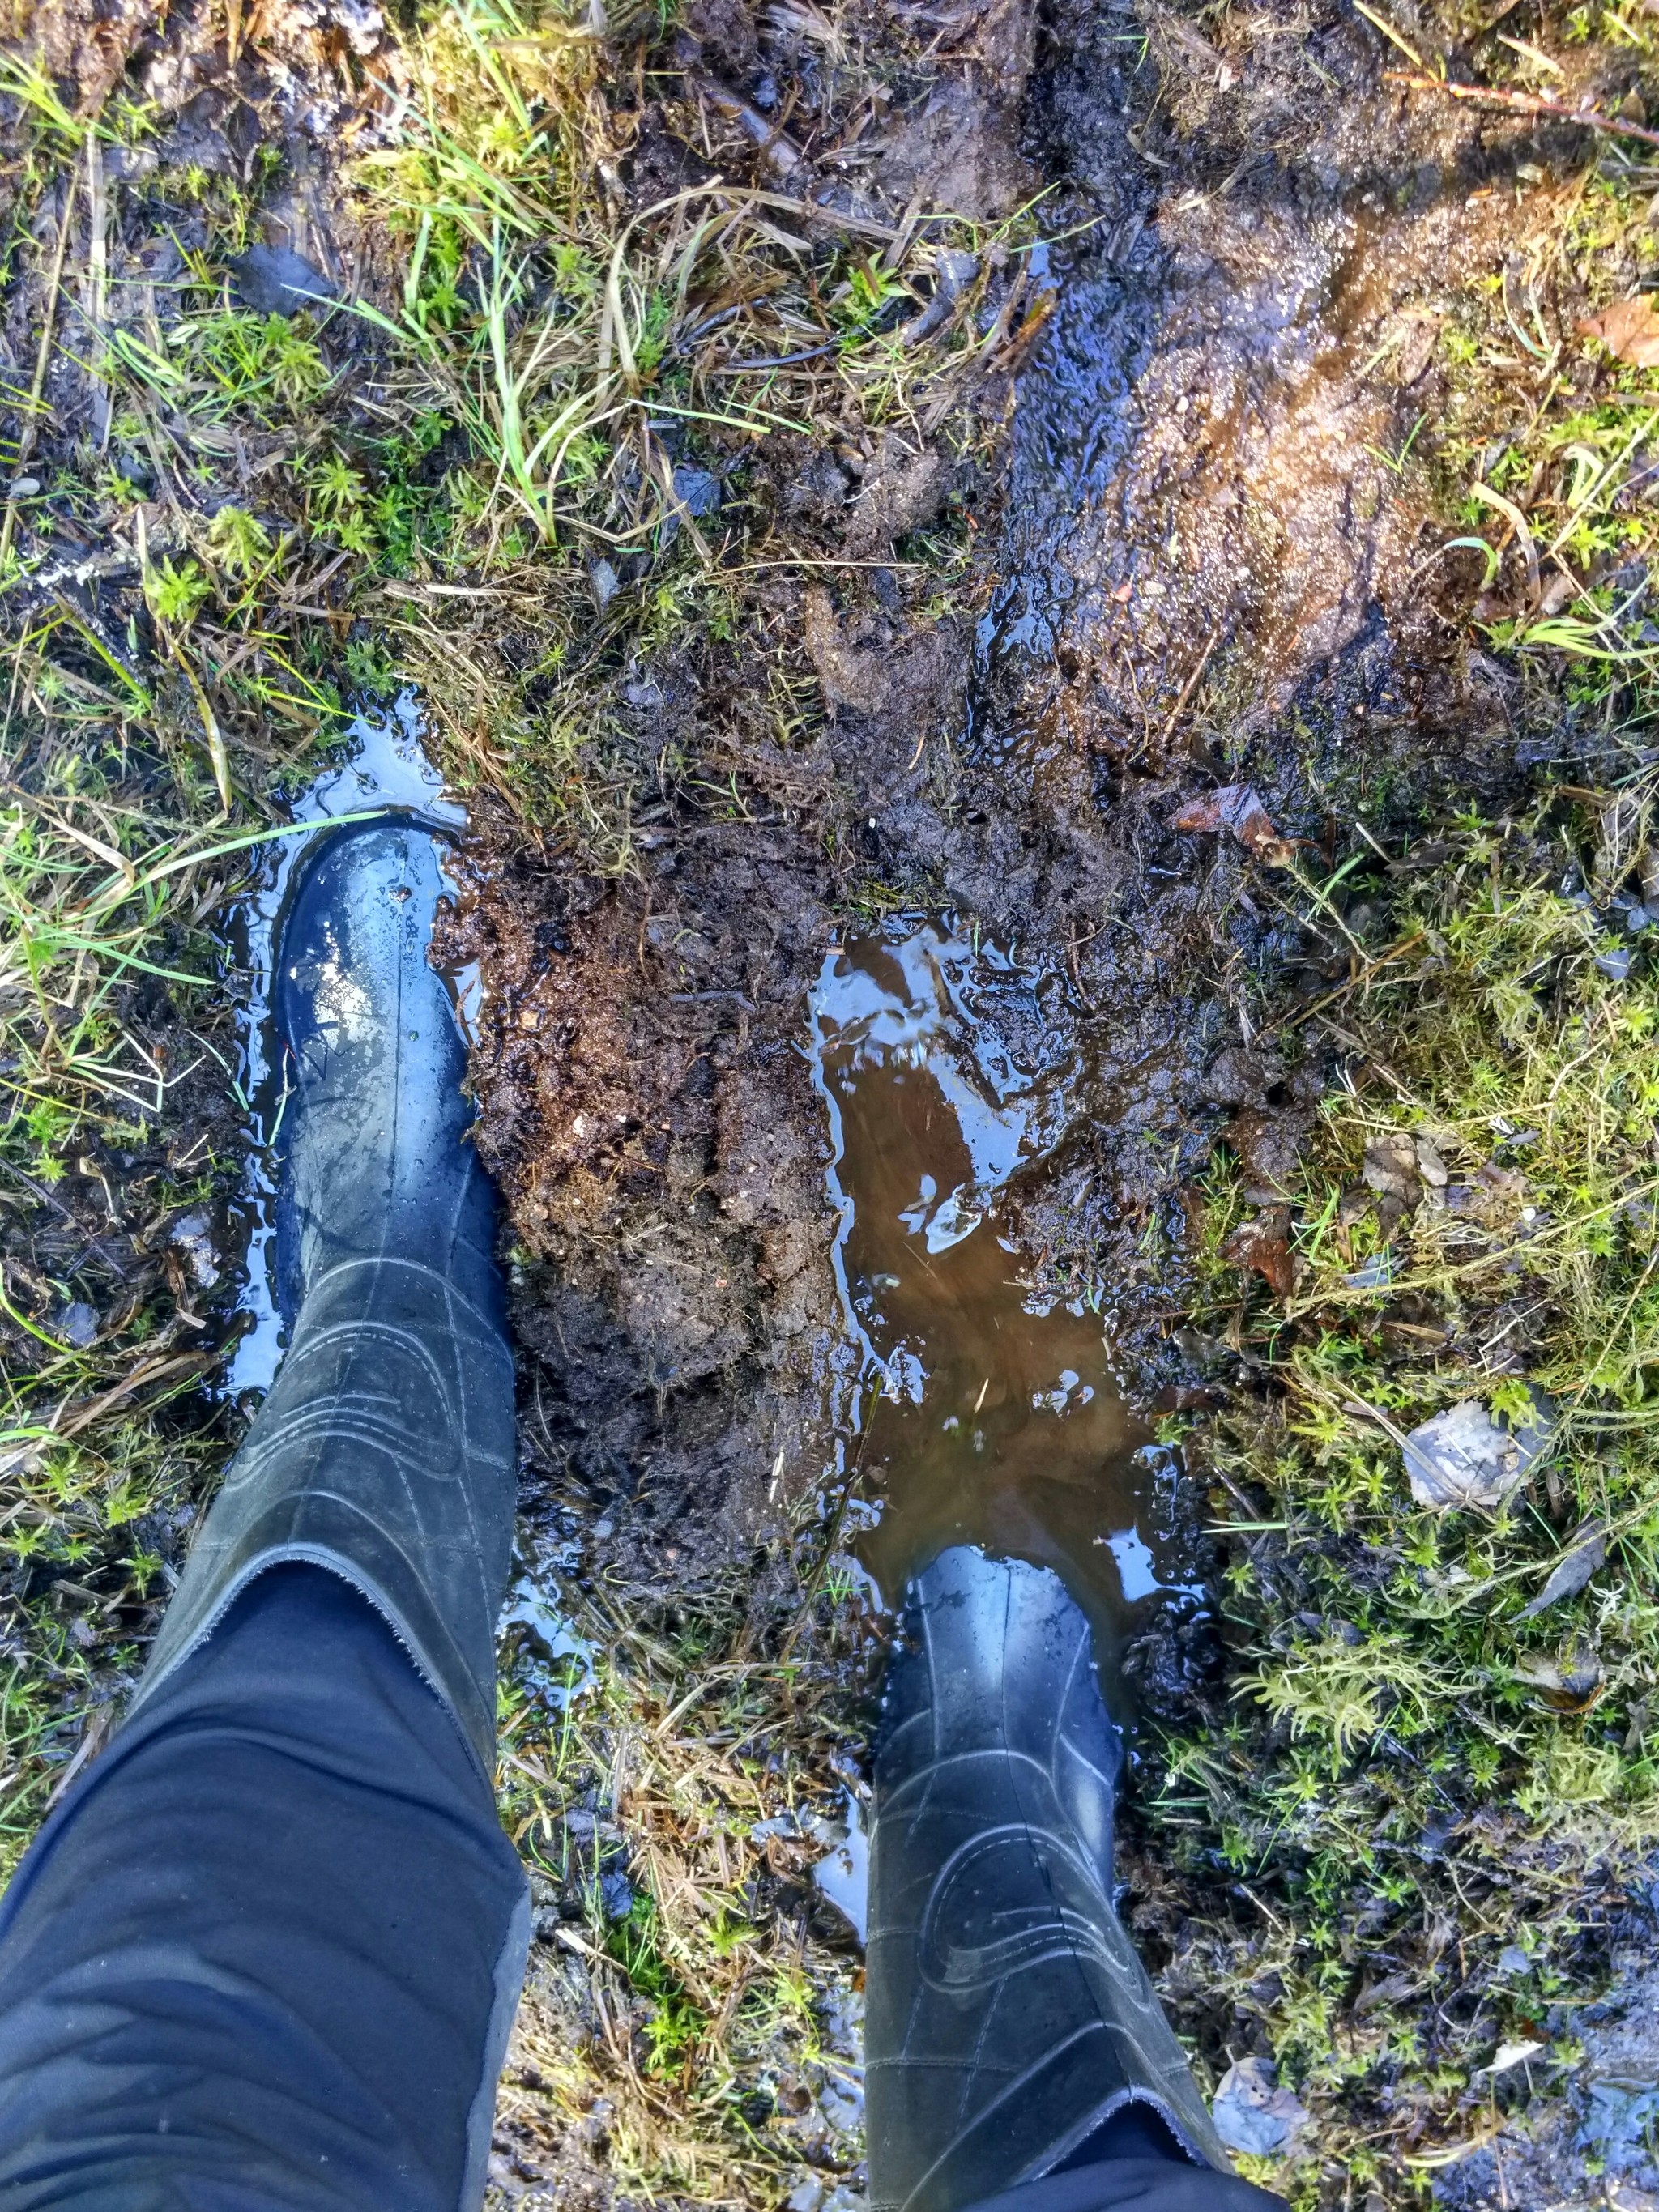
x,y
273,280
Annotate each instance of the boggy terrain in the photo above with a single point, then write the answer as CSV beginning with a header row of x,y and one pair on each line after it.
x,y
1194,557
1124,493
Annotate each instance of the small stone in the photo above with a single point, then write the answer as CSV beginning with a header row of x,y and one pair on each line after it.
x,y
272,280
77,1324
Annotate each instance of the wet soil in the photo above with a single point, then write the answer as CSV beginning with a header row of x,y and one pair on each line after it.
x,y
1197,558
1173,539
984,1414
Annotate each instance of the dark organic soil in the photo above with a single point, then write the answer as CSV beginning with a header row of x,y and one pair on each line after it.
x,y
1194,563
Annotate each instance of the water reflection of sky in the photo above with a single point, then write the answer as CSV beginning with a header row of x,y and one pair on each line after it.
x,y
988,1415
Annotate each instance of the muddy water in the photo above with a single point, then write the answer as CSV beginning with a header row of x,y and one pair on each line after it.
x,y
985,1414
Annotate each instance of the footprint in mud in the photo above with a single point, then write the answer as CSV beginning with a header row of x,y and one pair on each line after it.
x,y
983,1414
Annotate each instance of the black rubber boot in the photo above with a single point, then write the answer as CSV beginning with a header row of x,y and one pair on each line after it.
x,y
385,1450
1008,2017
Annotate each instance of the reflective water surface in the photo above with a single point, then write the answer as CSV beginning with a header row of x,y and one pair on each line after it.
x,y
988,1416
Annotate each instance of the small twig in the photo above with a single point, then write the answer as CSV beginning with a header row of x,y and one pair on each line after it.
x,y
1524,103
1190,685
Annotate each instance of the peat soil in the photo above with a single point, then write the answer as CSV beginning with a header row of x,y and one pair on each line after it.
x,y
1199,562
1197,553
1203,557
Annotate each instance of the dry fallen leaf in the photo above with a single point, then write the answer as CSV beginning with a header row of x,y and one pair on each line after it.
x,y
1252,2114
1238,807
1571,1684
1629,329
1390,1167
1461,1459
1263,1245
1513,2054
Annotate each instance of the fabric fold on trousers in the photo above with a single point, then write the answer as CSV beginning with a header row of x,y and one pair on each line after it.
x,y
267,1952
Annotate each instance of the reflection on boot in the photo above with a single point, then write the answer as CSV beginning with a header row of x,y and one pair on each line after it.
x,y
1009,2018
384,1451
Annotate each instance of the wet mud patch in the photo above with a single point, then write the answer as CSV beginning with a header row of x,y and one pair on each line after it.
x,y
654,1126
985,1414
1183,535
1116,664
1086,582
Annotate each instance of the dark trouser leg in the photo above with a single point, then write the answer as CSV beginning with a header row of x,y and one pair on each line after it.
x,y
266,1953
1013,2041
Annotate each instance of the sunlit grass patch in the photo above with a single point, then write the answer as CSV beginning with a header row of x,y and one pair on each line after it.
x,y
685,2007
1440,1721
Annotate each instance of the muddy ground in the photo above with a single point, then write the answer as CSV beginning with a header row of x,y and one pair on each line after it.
x,y
1174,529
1193,563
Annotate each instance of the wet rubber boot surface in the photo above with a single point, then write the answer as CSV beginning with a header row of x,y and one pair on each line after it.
x,y
1008,2018
265,1956
385,1450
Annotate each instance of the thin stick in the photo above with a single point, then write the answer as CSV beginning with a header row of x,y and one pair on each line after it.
x,y
1524,103
43,357
1190,685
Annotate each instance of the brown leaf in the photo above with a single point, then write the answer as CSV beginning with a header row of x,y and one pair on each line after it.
x,y
1390,1167
1268,1145
1238,807
1629,329
1573,1683
1263,1246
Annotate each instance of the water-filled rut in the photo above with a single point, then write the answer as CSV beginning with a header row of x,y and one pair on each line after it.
x,y
983,1412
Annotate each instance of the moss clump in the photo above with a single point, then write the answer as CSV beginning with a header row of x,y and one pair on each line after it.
x,y
1439,1744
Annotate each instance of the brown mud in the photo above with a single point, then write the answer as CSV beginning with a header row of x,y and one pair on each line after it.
x,y
1196,558
1171,534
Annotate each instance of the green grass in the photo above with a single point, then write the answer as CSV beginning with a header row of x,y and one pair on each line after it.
x,y
1397,1676
1420,1766
435,484
659,1764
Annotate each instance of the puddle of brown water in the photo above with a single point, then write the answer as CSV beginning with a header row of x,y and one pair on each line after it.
x,y
983,1415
